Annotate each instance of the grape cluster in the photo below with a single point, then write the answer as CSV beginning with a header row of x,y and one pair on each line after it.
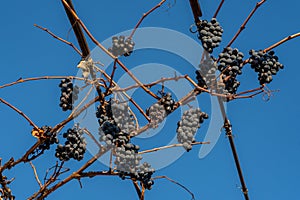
x,y
74,147
230,65
168,102
127,158
111,134
157,114
116,123
266,64
144,175
206,74
122,116
69,94
128,165
121,46
188,126
210,34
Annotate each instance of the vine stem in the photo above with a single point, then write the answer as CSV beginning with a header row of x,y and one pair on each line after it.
x,y
229,135
243,26
59,38
144,16
219,8
177,183
21,80
282,41
196,9
170,146
36,175
21,113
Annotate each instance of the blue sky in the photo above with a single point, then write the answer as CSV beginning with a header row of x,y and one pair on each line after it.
x,y
266,133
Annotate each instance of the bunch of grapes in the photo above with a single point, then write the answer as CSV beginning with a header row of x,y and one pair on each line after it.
x,y
188,126
74,147
122,116
206,74
144,175
69,94
266,64
168,102
231,64
128,165
121,46
111,134
210,34
115,122
157,114
127,159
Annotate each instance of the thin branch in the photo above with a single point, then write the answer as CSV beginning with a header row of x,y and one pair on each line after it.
x,y
144,16
218,9
59,38
36,175
21,80
243,26
170,146
93,138
282,41
21,113
111,78
175,182
137,188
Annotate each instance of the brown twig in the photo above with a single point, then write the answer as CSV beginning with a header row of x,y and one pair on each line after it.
x,y
175,182
170,146
228,129
21,113
137,188
243,26
59,38
21,80
281,42
144,16
93,138
111,78
218,9
36,175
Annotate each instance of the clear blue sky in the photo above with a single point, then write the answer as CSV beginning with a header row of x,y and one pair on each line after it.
x,y
266,133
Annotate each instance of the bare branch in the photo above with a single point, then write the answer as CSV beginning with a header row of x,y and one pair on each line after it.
x,y
170,146
21,113
36,175
218,9
175,182
243,26
144,16
60,39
